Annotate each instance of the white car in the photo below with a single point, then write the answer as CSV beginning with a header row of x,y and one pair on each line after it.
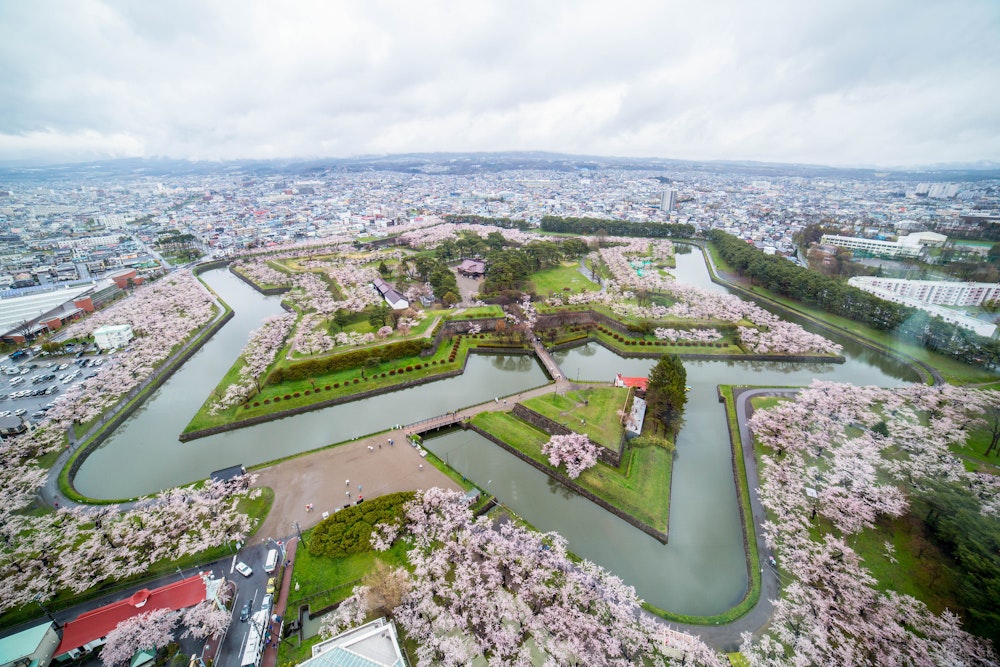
x,y
244,569
20,411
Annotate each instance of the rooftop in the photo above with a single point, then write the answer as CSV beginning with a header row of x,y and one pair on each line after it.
x,y
99,622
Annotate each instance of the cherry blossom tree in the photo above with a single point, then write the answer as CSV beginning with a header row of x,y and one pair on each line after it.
x,y
575,450
152,630
849,454
204,620
481,590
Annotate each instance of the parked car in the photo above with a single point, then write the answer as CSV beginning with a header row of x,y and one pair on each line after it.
x,y
245,612
20,411
272,584
244,569
265,604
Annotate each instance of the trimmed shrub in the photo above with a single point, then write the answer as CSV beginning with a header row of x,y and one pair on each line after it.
x,y
409,369
307,392
256,404
296,394
349,531
288,397
327,387
347,360
356,380
392,372
418,366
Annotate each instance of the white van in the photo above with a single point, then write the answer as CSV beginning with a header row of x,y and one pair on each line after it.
x,y
271,564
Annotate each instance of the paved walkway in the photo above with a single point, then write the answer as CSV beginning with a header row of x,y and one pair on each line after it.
x,y
270,655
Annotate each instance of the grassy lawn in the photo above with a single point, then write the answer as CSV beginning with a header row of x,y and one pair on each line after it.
x,y
973,450
479,312
641,487
320,582
292,394
590,411
562,279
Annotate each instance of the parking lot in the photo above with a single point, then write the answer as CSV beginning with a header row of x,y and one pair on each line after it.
x,y
29,386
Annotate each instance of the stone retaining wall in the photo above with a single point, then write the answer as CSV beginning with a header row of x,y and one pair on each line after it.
x,y
573,486
609,456
450,328
339,400
637,354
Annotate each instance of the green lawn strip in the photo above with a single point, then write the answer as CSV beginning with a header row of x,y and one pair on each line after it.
x,y
974,447
293,652
479,312
632,343
257,508
321,581
341,384
598,419
640,488
565,278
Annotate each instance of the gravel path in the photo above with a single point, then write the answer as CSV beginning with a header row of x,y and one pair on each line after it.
x,y
319,478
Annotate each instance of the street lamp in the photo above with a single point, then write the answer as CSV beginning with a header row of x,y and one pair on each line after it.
x,y
38,599
280,546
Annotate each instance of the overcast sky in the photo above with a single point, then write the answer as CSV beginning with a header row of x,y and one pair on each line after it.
x,y
841,82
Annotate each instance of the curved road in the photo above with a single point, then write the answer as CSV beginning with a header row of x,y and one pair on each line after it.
x,y
727,637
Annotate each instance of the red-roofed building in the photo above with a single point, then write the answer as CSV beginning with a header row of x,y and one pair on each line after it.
x,y
89,629
639,383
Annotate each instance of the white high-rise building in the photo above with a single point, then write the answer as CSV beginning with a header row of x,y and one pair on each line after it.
x,y
668,199
937,292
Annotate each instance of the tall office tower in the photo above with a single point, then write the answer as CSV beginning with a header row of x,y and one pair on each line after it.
x,y
668,200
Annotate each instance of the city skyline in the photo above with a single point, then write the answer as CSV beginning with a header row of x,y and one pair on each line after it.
x,y
850,84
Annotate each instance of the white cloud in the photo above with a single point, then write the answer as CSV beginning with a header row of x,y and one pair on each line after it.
x,y
846,82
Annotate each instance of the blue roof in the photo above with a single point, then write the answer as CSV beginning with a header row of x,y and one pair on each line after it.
x,y
22,644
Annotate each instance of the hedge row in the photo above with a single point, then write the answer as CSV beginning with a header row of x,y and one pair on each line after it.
x,y
354,359
680,343
349,530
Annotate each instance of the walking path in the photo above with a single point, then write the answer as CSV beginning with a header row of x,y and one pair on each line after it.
x,y
270,656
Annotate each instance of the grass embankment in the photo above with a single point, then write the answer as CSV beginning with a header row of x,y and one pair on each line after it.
x,y
292,394
478,313
565,278
593,412
953,371
640,487
257,508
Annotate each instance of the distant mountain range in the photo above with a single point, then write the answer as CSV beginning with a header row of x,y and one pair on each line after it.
x,y
471,163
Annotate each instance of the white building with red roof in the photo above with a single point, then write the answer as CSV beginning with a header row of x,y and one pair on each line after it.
x,y
89,629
